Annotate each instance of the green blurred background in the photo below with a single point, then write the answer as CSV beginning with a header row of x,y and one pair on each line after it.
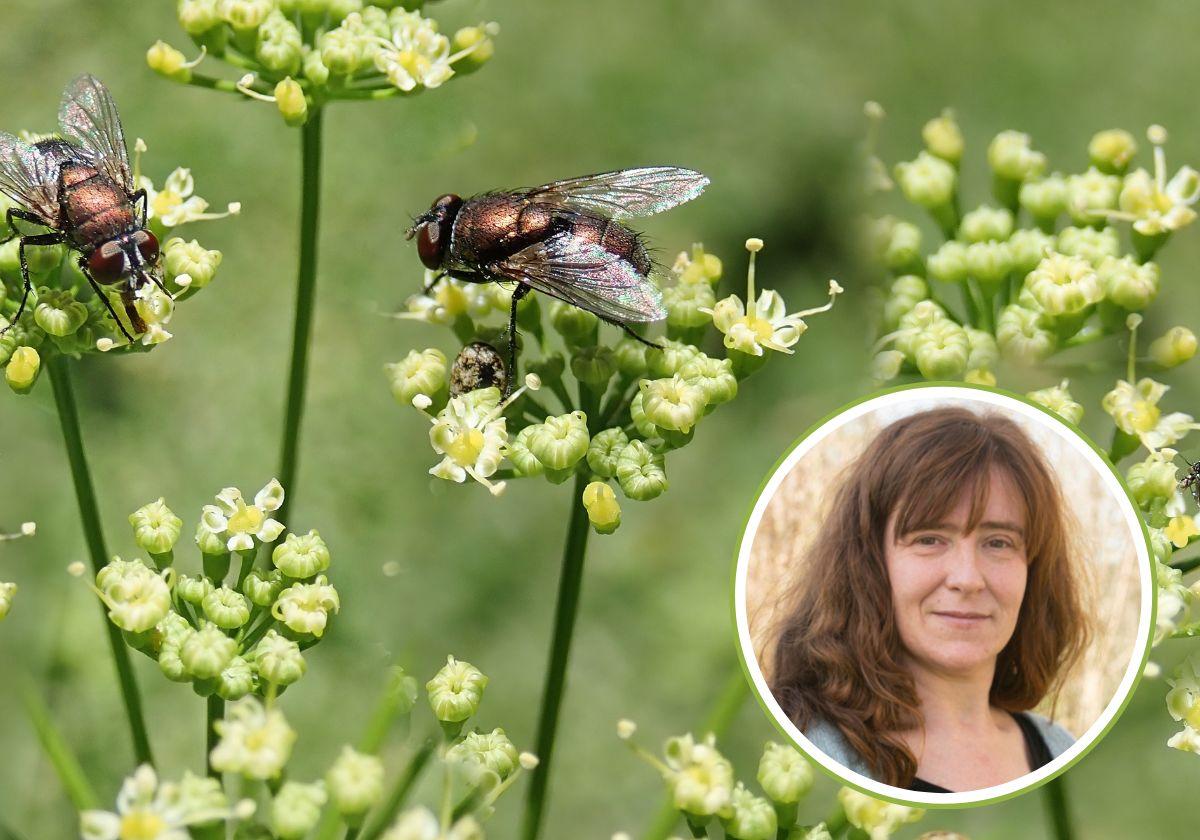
x,y
764,97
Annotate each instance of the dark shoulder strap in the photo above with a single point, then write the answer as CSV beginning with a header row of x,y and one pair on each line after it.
x,y
1035,745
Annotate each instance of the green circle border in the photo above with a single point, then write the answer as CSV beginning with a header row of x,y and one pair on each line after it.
x,y
745,527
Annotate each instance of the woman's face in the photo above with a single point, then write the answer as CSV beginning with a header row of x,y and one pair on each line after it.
x,y
956,595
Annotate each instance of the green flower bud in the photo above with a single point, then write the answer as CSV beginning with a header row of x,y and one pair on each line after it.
x,y
927,181
594,365
291,101
911,286
1024,334
262,587
903,250
524,461
193,590
225,608
1058,399
603,450
712,376
1011,157
456,691
672,403
22,370
1064,285
1174,347
341,51
169,62
886,365
355,782
941,350
575,325
198,16
296,809
314,68
986,224
983,350
1090,244
1027,248
191,259
1153,479
169,662
1092,194
41,260
943,137
305,607
279,47
207,652
603,510
483,753
698,267
420,372
245,14
641,472
136,596
641,423
1112,150
630,356
561,441
1045,199
340,9
301,556
1126,283
665,363
278,659
989,262
753,817
155,528
236,680
784,774
873,816
7,592
683,303
948,263
475,39
913,322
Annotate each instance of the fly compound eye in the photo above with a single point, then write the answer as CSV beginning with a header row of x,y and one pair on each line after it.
x,y
147,245
429,244
107,263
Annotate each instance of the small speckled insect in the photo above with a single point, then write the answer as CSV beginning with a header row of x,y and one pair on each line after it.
x,y
81,188
564,239
1192,480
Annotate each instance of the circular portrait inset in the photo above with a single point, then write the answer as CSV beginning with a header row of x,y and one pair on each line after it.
x,y
944,595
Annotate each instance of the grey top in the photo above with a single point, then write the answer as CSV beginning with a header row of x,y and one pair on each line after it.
x,y
828,739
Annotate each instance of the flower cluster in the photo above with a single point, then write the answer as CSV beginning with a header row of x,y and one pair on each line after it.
x,y
702,786
623,406
65,315
1042,269
228,636
300,54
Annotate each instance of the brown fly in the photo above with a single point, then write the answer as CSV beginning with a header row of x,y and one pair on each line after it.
x,y
81,188
564,239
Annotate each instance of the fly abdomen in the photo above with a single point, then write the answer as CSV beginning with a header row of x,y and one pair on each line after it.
x,y
613,237
97,209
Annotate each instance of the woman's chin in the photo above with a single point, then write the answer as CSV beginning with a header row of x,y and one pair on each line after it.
x,y
957,656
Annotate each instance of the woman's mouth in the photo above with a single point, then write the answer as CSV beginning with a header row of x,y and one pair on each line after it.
x,y
961,618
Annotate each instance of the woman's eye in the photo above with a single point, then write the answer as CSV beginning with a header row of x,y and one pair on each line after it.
x,y
1000,542
927,539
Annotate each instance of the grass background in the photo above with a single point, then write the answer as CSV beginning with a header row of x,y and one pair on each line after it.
x,y
766,98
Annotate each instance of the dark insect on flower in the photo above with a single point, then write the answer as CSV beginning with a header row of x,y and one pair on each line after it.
x,y
1192,480
81,188
564,239
478,365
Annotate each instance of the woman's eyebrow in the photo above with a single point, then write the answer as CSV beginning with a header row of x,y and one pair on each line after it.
x,y
1003,526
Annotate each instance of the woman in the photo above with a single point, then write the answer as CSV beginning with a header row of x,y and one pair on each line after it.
x,y
939,606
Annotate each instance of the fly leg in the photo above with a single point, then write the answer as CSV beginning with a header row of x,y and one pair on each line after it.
x,y
141,196
36,239
433,281
629,332
103,297
519,292
25,216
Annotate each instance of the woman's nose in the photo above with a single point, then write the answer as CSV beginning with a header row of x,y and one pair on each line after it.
x,y
963,571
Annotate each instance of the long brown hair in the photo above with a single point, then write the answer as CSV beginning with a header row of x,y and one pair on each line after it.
x,y
837,653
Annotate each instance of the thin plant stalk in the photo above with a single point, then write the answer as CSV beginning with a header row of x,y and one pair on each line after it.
x,y
89,515
215,710
1058,809
565,612
306,287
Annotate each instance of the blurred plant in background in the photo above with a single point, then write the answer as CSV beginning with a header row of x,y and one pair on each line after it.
x,y
628,408
300,56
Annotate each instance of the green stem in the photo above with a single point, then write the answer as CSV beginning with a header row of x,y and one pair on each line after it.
x,y
718,720
215,711
306,287
66,765
1187,565
395,799
89,515
1056,804
565,612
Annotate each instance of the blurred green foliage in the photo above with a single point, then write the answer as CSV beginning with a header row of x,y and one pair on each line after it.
x,y
764,97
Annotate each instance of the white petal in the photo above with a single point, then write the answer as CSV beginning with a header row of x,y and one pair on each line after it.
x,y
99,825
240,542
270,497
270,530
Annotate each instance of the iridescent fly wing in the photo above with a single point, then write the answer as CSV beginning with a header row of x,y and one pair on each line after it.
x,y
587,276
626,192
29,177
88,116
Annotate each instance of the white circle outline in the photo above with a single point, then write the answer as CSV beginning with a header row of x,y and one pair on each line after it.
x,y
1022,783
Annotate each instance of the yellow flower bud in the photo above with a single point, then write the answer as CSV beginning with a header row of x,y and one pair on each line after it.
x,y
22,370
1174,347
167,61
943,137
603,510
293,104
